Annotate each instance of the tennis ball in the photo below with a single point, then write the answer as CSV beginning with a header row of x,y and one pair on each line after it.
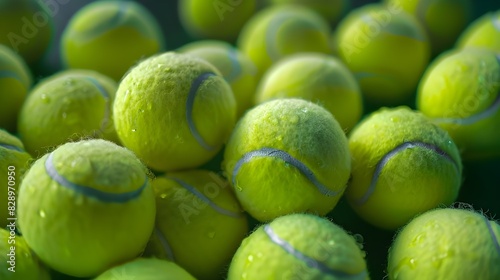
x,y
287,156
86,207
110,37
282,30
460,92
238,70
443,20
199,222
174,111
482,33
17,261
320,78
146,269
330,10
299,246
15,82
402,165
219,19
386,49
446,244
14,161
69,105
26,26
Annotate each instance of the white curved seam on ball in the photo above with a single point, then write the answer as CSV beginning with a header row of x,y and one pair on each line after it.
x,y
105,95
490,111
492,234
189,109
287,158
270,36
496,21
88,191
383,161
205,199
235,66
164,244
310,262
112,23
388,28
12,147
9,74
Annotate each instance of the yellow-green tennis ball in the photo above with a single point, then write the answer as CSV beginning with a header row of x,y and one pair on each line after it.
x,y
402,165
67,106
15,82
86,207
199,222
287,156
174,111
110,37
26,26
320,78
299,246
282,30
443,20
17,261
330,10
446,244
14,160
386,49
218,19
238,70
146,269
484,32
460,92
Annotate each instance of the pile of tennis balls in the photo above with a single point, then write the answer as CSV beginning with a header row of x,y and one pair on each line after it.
x,y
258,148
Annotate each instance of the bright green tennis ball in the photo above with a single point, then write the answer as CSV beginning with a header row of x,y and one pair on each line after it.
x,y
484,32
446,244
17,261
443,20
287,156
299,246
282,30
14,160
15,82
86,206
110,37
67,106
330,10
199,222
386,49
460,92
146,269
218,19
238,70
402,165
320,78
174,111
26,26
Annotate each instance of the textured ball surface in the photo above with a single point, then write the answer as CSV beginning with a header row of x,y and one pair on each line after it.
x,y
146,269
199,222
217,19
17,261
287,156
110,37
320,78
386,49
15,82
26,26
484,32
299,246
86,206
443,20
282,30
402,165
466,85
200,106
446,244
14,160
238,70
330,10
69,105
